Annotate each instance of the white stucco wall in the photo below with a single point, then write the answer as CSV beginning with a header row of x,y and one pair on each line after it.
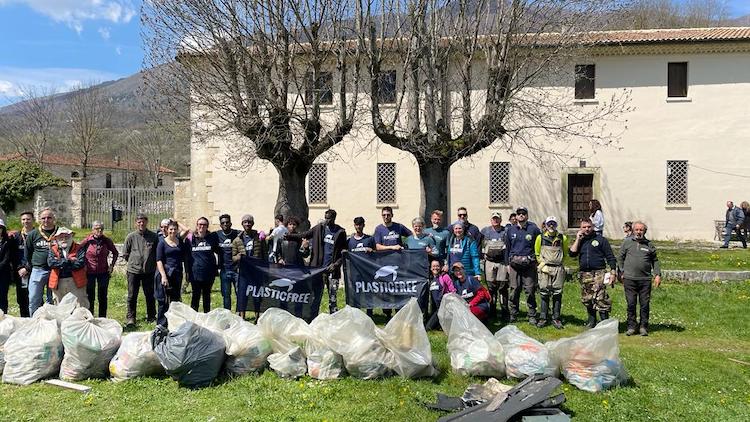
x,y
711,130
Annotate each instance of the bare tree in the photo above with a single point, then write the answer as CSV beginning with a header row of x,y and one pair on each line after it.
x,y
477,73
30,124
646,14
261,75
88,116
147,146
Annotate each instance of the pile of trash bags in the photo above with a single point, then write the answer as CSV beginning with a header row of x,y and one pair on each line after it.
x,y
524,356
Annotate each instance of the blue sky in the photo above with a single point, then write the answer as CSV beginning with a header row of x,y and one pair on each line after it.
x,y
63,43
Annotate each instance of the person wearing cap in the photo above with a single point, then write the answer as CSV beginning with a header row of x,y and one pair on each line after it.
x,y
471,290
227,271
462,248
549,249
37,251
594,255
519,254
494,265
98,270
22,284
8,264
441,234
327,242
67,262
139,251
248,244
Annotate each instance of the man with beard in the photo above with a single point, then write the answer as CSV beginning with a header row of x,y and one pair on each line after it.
x,y
67,262
519,254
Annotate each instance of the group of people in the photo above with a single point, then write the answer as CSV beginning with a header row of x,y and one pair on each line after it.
x,y
737,220
513,258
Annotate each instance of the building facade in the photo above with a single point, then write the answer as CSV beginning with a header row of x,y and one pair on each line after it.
x,y
681,155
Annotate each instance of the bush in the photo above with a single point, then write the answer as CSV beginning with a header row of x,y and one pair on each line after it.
x,y
20,179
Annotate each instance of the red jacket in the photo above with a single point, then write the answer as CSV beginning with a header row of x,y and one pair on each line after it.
x,y
97,252
74,266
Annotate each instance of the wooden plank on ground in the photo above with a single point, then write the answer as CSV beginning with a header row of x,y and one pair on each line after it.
x,y
69,385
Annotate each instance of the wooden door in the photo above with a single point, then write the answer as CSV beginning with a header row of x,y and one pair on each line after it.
x,y
580,192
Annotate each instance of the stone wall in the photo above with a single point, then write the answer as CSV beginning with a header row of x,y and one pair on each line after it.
x,y
183,201
56,197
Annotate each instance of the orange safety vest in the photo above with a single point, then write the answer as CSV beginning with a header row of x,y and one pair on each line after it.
x,y
79,275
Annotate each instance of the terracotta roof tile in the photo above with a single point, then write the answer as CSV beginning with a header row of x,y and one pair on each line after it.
x,y
645,36
105,163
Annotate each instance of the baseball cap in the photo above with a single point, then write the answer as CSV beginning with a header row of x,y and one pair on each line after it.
x,y
457,264
62,231
496,214
550,219
522,210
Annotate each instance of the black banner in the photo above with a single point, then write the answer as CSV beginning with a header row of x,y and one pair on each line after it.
x,y
292,288
386,279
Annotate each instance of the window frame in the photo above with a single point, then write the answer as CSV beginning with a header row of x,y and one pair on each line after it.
x,y
392,76
584,82
492,188
380,196
323,168
322,86
671,184
683,77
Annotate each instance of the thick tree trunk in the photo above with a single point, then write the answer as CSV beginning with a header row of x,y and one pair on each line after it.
x,y
435,186
292,200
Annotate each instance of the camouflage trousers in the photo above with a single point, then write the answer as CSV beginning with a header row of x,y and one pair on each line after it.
x,y
594,291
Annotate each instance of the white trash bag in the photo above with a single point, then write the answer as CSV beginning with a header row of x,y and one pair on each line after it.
x,y
179,313
8,325
217,320
472,348
322,362
135,358
57,312
524,356
33,352
287,335
351,333
591,360
247,349
406,338
90,343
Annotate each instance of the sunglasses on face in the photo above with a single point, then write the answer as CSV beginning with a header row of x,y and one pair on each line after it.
x,y
387,215
463,215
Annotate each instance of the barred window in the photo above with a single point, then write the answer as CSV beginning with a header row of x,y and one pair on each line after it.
x,y
499,182
585,77
323,87
677,182
317,184
386,183
387,87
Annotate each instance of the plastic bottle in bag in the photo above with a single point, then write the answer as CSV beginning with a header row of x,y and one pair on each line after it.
x,y
135,358
406,338
322,362
524,356
247,349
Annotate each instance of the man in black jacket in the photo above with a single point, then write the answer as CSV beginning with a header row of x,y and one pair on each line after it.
x,y
328,240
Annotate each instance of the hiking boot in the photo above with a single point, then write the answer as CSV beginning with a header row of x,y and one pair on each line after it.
x,y
512,319
643,331
542,323
630,332
130,323
603,315
723,247
151,319
557,324
532,320
591,323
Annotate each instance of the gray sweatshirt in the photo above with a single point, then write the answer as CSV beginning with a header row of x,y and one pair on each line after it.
x,y
140,252
637,259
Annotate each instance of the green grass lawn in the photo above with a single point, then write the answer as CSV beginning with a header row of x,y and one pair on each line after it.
x,y
681,371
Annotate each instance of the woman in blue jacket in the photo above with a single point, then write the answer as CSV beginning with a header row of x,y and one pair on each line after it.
x,y
463,249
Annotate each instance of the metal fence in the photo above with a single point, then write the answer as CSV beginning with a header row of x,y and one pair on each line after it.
x,y
99,203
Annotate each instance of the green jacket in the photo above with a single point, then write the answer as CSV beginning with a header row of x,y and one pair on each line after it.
x,y
37,247
139,251
637,259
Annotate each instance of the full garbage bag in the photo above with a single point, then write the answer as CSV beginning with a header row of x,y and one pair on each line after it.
x,y
472,348
247,349
191,354
322,362
351,333
90,343
591,360
524,356
217,320
57,312
287,335
406,338
33,352
179,313
135,358
8,325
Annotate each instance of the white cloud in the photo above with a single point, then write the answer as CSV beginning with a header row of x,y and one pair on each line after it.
x,y
14,79
75,12
104,32
118,50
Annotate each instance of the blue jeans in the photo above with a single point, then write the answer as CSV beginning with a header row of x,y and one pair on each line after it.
x,y
228,279
37,281
728,236
102,282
